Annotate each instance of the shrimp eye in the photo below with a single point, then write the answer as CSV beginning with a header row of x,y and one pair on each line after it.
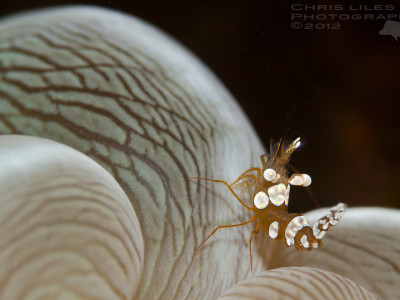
x,y
269,174
300,179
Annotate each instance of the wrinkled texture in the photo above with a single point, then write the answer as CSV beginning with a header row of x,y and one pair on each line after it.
x,y
297,283
131,98
125,94
68,231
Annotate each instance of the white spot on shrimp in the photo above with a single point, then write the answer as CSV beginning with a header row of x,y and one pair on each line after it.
x,y
277,194
304,241
319,234
297,179
287,195
276,178
261,200
269,174
293,227
273,229
307,180
300,179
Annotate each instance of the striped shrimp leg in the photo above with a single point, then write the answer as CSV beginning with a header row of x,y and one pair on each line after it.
x,y
299,233
330,219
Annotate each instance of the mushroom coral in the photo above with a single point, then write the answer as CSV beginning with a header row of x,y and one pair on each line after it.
x,y
135,101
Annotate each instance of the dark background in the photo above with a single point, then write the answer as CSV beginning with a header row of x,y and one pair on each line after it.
x,y
337,88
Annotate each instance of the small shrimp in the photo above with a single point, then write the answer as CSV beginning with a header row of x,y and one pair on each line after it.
x,y
269,189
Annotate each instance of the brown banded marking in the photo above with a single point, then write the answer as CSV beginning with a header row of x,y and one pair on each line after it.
x,y
271,188
130,97
292,283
